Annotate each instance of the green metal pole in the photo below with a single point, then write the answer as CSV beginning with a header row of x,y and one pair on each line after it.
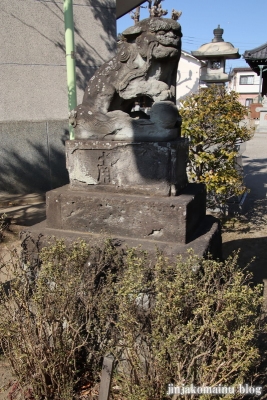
x,y
70,58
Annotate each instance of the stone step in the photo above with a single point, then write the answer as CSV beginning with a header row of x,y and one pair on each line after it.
x,y
164,219
207,240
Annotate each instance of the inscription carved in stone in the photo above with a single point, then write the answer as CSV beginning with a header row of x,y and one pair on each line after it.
x,y
104,170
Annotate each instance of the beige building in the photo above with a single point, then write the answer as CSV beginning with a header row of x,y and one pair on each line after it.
x,y
245,82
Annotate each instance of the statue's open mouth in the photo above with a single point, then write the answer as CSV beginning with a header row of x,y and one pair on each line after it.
x,y
168,42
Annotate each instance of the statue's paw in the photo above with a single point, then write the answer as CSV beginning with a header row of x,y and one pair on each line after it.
x,y
164,114
165,95
91,124
72,118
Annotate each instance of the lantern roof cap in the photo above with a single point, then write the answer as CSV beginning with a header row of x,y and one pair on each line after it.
x,y
217,48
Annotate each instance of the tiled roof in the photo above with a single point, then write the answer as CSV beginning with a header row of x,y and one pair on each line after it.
x,y
242,69
259,53
124,6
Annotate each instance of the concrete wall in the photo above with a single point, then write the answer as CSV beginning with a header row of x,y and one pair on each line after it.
x,y
33,100
32,54
32,156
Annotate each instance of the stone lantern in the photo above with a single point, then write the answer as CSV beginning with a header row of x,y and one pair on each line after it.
x,y
215,54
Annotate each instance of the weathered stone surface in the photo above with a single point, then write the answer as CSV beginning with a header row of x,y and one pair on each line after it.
x,y
262,127
140,168
173,219
207,240
145,67
127,175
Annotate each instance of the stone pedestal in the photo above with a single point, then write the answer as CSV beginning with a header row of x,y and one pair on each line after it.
x,y
127,170
153,168
167,219
135,193
262,127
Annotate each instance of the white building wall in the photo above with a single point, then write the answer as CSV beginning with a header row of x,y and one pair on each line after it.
x,y
187,76
252,88
234,84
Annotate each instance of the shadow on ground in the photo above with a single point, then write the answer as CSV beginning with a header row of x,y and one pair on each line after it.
x,y
253,252
28,215
248,233
255,176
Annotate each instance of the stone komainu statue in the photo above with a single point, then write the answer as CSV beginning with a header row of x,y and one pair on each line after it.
x,y
145,66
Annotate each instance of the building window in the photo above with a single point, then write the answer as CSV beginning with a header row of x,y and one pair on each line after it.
x,y
248,102
246,79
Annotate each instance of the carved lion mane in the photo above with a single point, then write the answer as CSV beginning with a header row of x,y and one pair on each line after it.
x,y
146,65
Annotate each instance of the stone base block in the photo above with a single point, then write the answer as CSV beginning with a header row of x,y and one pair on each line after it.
x,y
160,219
154,168
207,240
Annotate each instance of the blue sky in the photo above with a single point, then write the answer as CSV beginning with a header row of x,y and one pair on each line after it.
x,y
244,23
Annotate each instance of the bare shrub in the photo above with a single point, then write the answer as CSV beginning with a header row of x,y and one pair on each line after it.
x,y
4,225
53,327
191,322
